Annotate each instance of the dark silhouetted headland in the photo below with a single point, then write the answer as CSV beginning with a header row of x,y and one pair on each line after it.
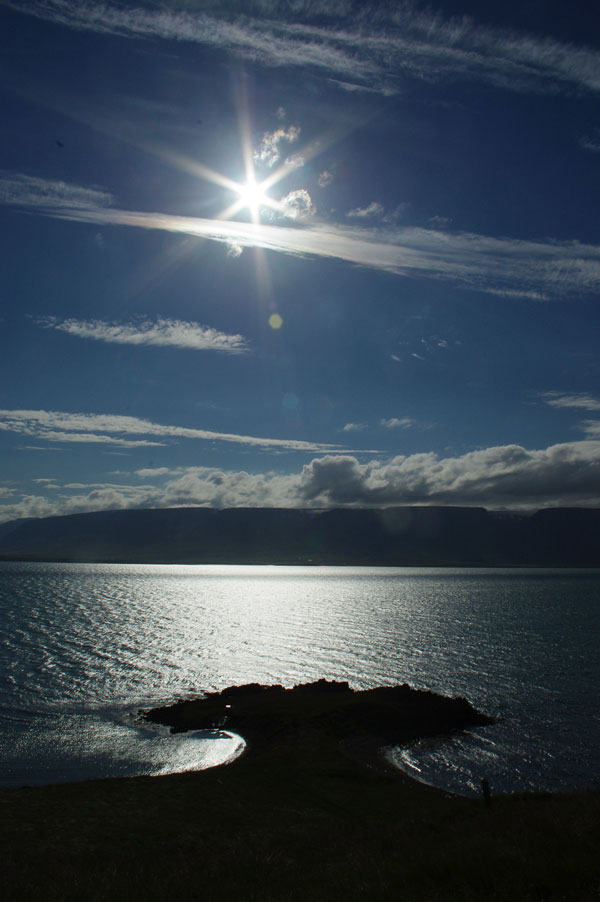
x,y
323,710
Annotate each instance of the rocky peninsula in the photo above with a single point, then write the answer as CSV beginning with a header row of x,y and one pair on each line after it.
x,y
322,713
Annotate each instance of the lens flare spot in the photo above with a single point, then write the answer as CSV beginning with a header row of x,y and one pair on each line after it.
x,y
275,321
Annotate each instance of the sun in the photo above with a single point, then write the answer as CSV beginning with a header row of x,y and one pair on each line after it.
x,y
252,195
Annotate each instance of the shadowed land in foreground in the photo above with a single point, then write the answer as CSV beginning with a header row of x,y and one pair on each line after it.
x,y
294,819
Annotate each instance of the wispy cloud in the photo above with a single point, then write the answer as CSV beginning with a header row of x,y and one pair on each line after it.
x,y
374,210
162,333
397,423
57,426
269,151
367,46
501,266
591,428
87,438
498,265
387,423
18,189
507,476
591,143
581,401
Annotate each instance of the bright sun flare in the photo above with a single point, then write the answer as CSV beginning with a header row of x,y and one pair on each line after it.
x,y
252,195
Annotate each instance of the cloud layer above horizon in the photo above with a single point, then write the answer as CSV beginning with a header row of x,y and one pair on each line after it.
x,y
505,477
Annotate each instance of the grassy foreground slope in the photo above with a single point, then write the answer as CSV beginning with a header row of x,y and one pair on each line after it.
x,y
293,819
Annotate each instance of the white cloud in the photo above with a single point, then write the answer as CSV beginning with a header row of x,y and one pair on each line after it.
x,y
234,250
295,161
582,401
29,506
501,266
162,333
374,210
508,476
532,295
57,426
591,428
354,88
325,178
269,153
397,423
90,438
126,489
297,205
355,427
368,47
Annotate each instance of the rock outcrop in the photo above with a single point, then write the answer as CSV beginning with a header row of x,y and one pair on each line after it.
x,y
327,709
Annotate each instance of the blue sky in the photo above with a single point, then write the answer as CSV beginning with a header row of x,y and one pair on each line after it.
x,y
301,254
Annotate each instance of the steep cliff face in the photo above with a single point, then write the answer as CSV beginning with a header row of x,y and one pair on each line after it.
x,y
419,536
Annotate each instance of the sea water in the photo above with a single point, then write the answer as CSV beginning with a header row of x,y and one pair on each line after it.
x,y
84,647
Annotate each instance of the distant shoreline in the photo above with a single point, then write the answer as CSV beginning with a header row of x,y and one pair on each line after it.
x,y
26,559
379,537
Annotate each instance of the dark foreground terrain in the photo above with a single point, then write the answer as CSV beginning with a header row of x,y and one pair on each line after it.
x,y
294,819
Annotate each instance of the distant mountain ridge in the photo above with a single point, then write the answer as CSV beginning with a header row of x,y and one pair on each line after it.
x,y
417,536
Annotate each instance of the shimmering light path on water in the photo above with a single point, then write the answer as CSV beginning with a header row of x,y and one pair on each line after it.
x,y
84,645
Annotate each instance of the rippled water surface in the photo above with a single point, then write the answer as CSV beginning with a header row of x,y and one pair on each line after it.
x,y
84,646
